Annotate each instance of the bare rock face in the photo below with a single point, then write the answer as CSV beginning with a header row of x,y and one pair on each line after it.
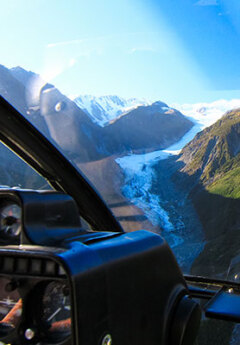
x,y
146,128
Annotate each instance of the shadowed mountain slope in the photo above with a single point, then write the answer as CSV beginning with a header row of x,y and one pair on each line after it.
x,y
211,171
147,128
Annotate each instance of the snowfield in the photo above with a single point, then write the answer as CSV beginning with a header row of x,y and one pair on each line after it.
x,y
206,114
103,109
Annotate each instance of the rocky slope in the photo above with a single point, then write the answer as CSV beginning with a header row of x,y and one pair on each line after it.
x,y
145,129
210,169
59,118
214,150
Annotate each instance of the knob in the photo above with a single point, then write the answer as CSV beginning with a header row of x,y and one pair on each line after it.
x,y
186,322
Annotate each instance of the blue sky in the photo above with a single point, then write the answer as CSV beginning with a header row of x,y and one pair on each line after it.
x,y
175,51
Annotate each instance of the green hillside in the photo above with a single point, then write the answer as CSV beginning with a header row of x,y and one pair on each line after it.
x,y
214,156
228,185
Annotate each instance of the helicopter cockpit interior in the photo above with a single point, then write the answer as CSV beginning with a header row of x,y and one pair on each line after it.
x,y
119,172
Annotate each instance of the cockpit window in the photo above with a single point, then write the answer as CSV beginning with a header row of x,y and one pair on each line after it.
x,y
142,98
15,173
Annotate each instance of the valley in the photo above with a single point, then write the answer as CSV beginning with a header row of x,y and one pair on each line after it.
x,y
159,167
150,184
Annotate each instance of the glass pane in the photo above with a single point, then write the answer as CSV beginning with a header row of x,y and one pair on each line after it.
x,y
14,172
121,91
143,97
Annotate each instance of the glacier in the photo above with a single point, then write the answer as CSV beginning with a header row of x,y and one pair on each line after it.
x,y
139,175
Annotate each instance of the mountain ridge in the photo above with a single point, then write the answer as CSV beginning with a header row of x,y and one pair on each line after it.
x,y
103,109
148,128
142,129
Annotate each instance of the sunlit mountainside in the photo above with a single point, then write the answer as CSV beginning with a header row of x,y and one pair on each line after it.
x,y
215,151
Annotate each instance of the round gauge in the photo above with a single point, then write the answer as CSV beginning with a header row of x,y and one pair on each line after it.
x,y
10,223
10,306
56,310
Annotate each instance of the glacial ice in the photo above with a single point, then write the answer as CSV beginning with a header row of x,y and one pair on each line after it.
x,y
138,167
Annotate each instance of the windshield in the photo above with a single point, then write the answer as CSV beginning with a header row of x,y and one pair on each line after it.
x,y
143,98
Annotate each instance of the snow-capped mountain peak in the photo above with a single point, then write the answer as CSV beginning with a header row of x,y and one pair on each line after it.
x,y
106,108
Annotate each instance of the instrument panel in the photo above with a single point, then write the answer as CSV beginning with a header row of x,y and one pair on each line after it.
x,y
55,310
35,309
35,296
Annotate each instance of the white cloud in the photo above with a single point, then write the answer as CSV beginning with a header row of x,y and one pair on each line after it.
x,y
207,3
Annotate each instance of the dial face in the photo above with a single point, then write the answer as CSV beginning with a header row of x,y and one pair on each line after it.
x,y
10,306
10,223
56,310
